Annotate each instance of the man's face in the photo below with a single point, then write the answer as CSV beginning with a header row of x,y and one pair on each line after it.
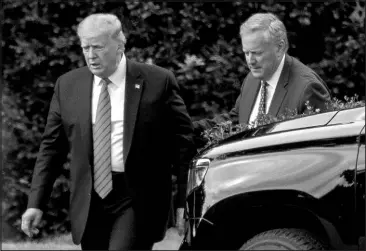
x,y
102,53
261,55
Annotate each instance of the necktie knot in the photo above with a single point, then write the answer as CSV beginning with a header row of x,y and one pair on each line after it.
x,y
105,81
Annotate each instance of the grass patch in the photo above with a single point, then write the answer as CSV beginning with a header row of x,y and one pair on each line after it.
x,y
64,242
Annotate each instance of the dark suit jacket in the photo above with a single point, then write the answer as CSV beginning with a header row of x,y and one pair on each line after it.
x,y
296,85
157,134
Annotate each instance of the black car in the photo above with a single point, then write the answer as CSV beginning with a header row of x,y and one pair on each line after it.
x,y
297,185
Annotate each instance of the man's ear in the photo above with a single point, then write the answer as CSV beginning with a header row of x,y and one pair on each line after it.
x,y
281,47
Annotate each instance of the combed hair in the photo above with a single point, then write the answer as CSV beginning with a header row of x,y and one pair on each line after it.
x,y
103,22
270,24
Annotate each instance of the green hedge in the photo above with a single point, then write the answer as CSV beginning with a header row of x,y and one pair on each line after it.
x,y
198,41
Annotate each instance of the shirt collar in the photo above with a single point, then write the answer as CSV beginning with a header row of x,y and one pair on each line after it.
x,y
276,75
117,75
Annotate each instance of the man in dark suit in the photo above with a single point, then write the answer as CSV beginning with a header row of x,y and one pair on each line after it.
x,y
276,82
125,126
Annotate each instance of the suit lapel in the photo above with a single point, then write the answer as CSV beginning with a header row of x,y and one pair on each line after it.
x,y
85,84
250,92
133,90
281,88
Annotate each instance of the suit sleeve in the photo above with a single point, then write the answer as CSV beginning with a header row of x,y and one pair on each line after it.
x,y
317,94
180,125
51,156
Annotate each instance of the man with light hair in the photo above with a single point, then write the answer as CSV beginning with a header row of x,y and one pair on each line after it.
x,y
125,125
276,82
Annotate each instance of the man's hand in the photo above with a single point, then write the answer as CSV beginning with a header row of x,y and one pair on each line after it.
x,y
180,223
30,220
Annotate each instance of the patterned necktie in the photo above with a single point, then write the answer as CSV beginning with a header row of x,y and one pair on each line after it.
x,y
102,143
262,103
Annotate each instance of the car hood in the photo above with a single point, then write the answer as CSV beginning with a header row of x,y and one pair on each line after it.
x,y
258,136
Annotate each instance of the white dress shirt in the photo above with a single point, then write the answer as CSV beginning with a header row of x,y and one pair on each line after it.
x,y
272,83
116,91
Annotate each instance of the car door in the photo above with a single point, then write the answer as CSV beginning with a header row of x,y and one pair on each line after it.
x,y
360,191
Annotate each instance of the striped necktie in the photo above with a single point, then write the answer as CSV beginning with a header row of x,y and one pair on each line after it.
x,y
102,143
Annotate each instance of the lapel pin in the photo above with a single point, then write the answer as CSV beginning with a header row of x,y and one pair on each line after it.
x,y
137,86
